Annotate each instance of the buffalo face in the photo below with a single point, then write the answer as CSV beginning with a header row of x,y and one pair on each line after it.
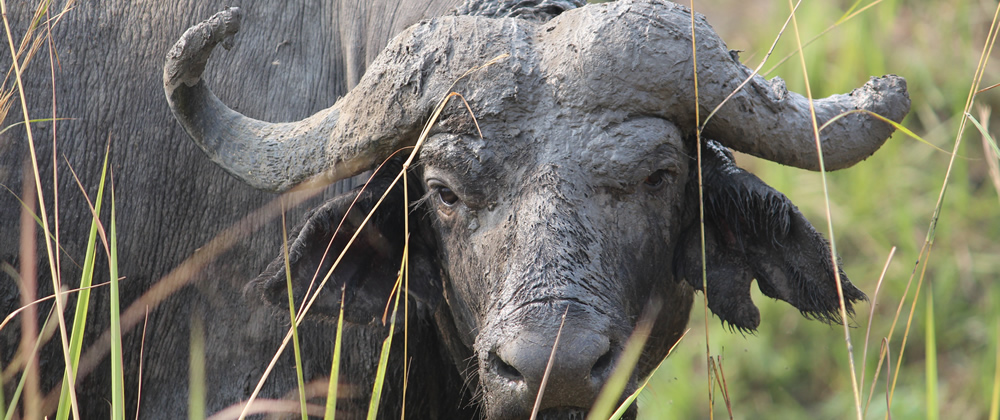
x,y
573,221
561,195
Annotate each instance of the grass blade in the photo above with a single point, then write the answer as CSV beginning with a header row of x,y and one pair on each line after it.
x,y
3,398
899,127
990,149
142,349
383,360
613,388
16,66
932,228
995,400
983,131
117,374
83,299
196,370
291,310
701,209
868,332
888,374
331,394
47,330
631,398
720,378
548,368
835,264
930,360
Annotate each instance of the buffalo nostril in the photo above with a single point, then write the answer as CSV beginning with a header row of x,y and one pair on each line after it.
x,y
602,367
504,369
576,370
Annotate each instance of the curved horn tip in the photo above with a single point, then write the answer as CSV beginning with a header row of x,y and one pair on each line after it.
x,y
187,58
889,95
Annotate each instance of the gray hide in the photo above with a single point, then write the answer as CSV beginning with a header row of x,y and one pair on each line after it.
x,y
577,199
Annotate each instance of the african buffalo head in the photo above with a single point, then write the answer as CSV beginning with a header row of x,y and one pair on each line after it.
x,y
564,181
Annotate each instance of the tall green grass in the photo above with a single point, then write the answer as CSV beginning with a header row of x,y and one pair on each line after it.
x,y
66,396
83,299
71,342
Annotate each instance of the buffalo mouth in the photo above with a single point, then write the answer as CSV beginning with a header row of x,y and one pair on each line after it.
x,y
576,413
563,413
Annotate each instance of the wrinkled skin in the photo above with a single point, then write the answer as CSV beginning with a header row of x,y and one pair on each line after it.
x,y
548,237
549,202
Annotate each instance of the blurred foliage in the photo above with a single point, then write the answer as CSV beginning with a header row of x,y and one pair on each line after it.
x,y
796,368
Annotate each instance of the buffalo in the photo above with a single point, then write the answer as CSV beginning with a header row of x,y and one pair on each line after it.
x,y
566,188
559,197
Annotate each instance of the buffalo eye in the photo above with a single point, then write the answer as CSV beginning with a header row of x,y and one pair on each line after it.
x,y
447,196
655,180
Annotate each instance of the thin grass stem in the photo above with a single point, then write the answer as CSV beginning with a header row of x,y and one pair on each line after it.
x,y
847,16
929,240
47,330
829,218
930,360
264,406
117,361
925,254
868,331
701,210
755,72
723,387
83,299
54,272
995,395
623,407
3,398
196,370
615,385
334,384
296,350
27,283
142,353
888,372
373,405
548,367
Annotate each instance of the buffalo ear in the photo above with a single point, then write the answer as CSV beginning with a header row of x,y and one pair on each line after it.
x,y
754,231
369,269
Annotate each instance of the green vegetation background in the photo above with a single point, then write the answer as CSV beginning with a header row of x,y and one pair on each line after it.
x,y
796,368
